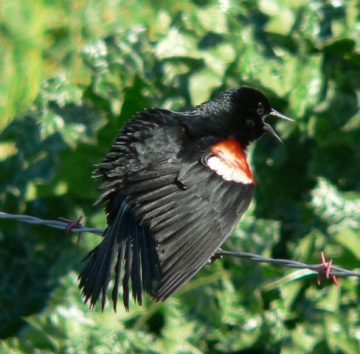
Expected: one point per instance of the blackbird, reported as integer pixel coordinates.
(175, 184)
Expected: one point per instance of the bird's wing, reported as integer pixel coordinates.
(189, 219)
(186, 208)
(140, 153)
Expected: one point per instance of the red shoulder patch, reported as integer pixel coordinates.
(227, 158)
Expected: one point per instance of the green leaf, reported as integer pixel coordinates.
(349, 239)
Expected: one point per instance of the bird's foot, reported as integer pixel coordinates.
(214, 257)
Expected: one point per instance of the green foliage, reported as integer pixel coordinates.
(72, 74)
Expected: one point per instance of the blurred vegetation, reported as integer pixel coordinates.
(73, 72)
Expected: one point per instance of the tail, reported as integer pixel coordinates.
(131, 248)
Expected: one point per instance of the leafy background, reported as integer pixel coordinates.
(73, 72)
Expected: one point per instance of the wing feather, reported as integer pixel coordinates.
(167, 215)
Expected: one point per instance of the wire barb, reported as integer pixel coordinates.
(56, 224)
(324, 270)
(73, 224)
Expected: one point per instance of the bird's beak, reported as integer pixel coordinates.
(268, 128)
(277, 114)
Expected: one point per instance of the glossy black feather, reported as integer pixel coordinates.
(168, 212)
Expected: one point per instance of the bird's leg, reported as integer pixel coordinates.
(214, 257)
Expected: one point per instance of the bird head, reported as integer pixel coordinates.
(239, 113)
(248, 111)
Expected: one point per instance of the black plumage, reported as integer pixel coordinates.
(175, 184)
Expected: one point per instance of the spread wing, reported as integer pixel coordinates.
(167, 214)
(189, 225)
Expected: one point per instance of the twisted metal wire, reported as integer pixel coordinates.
(56, 224)
(321, 269)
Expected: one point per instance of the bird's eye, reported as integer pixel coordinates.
(260, 109)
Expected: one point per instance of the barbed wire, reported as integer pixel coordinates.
(56, 224)
(324, 270)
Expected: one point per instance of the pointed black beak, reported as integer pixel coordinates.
(268, 128)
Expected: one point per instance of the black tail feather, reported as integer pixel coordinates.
(118, 264)
(135, 271)
(128, 247)
(125, 282)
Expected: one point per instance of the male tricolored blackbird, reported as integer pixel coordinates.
(175, 184)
